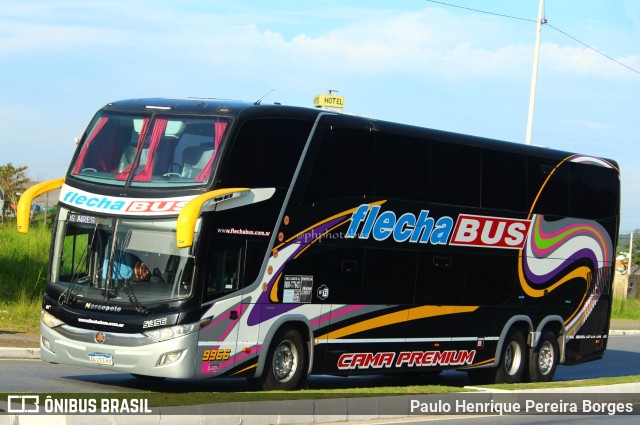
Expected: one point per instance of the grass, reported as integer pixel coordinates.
(628, 309)
(24, 261)
(563, 384)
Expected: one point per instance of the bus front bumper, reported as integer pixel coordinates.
(129, 353)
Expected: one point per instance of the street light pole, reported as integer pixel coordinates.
(534, 75)
(630, 255)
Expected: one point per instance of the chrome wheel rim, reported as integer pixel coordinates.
(512, 358)
(285, 361)
(546, 358)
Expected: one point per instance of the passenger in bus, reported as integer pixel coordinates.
(141, 272)
(121, 269)
(128, 266)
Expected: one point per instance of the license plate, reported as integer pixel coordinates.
(103, 359)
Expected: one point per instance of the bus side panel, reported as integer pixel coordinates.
(217, 340)
(590, 342)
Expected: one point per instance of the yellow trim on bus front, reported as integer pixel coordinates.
(23, 211)
(186, 224)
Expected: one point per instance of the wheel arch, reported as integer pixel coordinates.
(554, 324)
(519, 322)
(296, 322)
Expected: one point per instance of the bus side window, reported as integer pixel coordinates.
(402, 169)
(343, 166)
(222, 271)
(589, 183)
(552, 184)
(455, 173)
(504, 180)
(228, 265)
(266, 153)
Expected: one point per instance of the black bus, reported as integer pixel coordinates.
(207, 238)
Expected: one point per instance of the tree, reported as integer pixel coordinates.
(13, 181)
(623, 248)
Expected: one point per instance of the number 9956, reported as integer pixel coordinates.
(216, 355)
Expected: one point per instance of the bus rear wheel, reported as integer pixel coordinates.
(286, 362)
(544, 358)
(513, 361)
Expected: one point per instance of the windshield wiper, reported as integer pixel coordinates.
(112, 252)
(128, 290)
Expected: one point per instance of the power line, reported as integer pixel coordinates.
(483, 11)
(544, 22)
(594, 49)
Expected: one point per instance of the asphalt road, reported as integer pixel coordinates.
(622, 358)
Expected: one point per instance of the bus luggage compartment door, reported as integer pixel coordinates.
(217, 342)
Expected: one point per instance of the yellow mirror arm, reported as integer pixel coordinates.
(186, 225)
(23, 210)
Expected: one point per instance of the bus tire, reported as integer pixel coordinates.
(512, 363)
(543, 360)
(286, 364)
(513, 359)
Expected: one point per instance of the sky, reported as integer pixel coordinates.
(417, 62)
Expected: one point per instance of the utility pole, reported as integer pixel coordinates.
(534, 74)
(630, 254)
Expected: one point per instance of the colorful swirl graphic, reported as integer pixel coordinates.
(562, 250)
(555, 252)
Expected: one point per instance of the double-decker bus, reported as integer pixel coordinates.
(206, 238)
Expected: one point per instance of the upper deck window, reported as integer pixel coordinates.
(166, 151)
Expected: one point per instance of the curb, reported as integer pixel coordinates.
(10, 353)
(625, 332)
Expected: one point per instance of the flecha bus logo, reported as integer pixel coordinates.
(490, 232)
(109, 204)
(468, 230)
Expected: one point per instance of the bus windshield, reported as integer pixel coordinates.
(119, 260)
(144, 151)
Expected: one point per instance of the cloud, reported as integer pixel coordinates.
(430, 42)
(591, 125)
(21, 38)
(582, 61)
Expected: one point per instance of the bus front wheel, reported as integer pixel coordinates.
(544, 358)
(286, 362)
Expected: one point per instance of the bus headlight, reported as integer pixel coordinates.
(172, 332)
(50, 320)
(168, 358)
